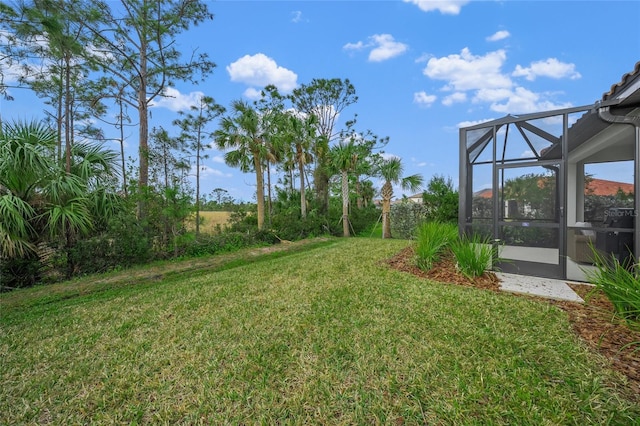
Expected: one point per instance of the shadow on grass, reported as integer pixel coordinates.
(147, 275)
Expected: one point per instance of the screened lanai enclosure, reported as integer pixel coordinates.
(549, 189)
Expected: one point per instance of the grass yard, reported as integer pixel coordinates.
(324, 334)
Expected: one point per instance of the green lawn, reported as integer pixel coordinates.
(324, 335)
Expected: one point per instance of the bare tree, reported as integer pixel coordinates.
(139, 47)
(326, 99)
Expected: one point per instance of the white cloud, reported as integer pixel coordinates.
(11, 72)
(480, 78)
(389, 156)
(259, 70)
(469, 72)
(354, 46)
(524, 101)
(26, 68)
(500, 35)
(325, 113)
(418, 163)
(355, 137)
(296, 16)
(422, 98)
(386, 48)
(422, 58)
(446, 7)
(473, 123)
(218, 159)
(383, 47)
(214, 172)
(550, 67)
(252, 93)
(173, 100)
(206, 171)
(116, 144)
(455, 98)
(492, 95)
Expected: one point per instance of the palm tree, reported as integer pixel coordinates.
(27, 156)
(391, 171)
(367, 192)
(40, 200)
(299, 133)
(344, 158)
(241, 135)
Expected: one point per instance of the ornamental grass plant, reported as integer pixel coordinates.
(473, 254)
(433, 239)
(620, 282)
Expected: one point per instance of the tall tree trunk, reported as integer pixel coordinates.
(269, 192)
(321, 182)
(345, 204)
(359, 198)
(386, 222)
(60, 117)
(291, 185)
(168, 227)
(198, 183)
(143, 129)
(387, 193)
(67, 113)
(303, 197)
(124, 170)
(165, 163)
(143, 178)
(257, 164)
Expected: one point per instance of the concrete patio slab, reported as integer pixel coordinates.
(542, 287)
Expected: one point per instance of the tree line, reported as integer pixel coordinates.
(62, 192)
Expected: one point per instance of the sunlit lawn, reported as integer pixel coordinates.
(327, 335)
(209, 221)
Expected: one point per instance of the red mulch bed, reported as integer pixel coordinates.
(594, 321)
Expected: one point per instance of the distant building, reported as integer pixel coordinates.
(416, 198)
(601, 187)
(607, 187)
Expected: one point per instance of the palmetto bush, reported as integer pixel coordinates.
(433, 239)
(45, 201)
(473, 255)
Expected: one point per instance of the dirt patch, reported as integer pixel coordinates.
(594, 321)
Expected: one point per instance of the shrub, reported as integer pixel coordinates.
(124, 244)
(130, 242)
(473, 255)
(433, 239)
(441, 200)
(244, 219)
(19, 272)
(289, 225)
(406, 216)
(620, 282)
(92, 255)
(364, 220)
(227, 241)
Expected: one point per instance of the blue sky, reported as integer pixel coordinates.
(421, 69)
